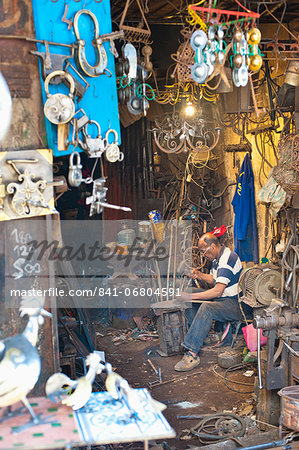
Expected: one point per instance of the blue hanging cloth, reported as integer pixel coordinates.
(245, 226)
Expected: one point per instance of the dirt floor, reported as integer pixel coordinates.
(201, 391)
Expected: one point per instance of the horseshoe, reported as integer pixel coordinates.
(101, 55)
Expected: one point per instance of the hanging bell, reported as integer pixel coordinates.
(254, 36)
(255, 63)
(237, 61)
(237, 36)
(198, 40)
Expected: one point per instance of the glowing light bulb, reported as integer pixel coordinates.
(189, 110)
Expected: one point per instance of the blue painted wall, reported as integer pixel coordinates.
(100, 99)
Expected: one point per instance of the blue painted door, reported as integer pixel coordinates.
(100, 99)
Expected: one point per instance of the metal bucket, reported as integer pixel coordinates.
(144, 230)
(290, 407)
(292, 73)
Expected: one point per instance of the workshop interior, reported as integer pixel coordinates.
(149, 170)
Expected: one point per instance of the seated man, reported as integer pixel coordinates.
(220, 302)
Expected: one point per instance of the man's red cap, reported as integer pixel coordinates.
(220, 231)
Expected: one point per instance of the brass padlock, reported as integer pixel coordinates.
(75, 170)
(59, 108)
(112, 153)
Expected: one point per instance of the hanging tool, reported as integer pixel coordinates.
(97, 200)
(130, 54)
(135, 34)
(112, 37)
(101, 55)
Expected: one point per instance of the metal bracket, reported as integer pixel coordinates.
(51, 61)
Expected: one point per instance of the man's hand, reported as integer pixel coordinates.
(195, 274)
(184, 297)
(200, 276)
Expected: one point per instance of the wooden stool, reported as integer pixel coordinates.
(70, 362)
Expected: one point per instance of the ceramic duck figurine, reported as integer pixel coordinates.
(20, 364)
(59, 385)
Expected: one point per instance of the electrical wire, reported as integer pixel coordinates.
(261, 151)
(216, 428)
(231, 369)
(200, 207)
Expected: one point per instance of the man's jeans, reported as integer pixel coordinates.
(222, 309)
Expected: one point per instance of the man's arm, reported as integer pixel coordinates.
(209, 294)
(200, 276)
(198, 297)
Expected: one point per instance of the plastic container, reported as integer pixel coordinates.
(250, 336)
(126, 236)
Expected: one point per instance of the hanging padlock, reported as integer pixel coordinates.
(75, 170)
(94, 147)
(112, 153)
(59, 108)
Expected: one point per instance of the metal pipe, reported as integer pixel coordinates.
(169, 261)
(259, 369)
(268, 445)
(107, 205)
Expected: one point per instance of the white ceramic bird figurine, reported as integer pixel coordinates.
(59, 385)
(119, 389)
(20, 364)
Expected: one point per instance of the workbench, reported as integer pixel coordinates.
(101, 421)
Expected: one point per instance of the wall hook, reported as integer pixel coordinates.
(94, 92)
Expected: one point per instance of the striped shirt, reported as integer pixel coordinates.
(227, 269)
